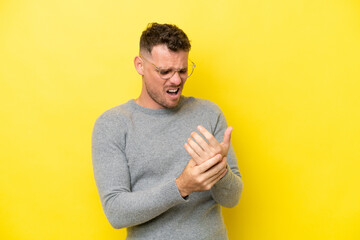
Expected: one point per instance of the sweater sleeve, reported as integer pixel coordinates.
(122, 207)
(227, 191)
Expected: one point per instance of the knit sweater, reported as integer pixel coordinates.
(137, 155)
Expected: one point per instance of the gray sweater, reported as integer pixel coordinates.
(137, 155)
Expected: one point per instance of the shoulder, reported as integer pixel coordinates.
(202, 105)
(114, 118)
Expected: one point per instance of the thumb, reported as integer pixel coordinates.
(227, 136)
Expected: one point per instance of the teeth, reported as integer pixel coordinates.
(172, 90)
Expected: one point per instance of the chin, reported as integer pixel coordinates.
(171, 105)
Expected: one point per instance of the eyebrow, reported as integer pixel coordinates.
(164, 68)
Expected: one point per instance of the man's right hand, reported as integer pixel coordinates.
(201, 150)
(197, 178)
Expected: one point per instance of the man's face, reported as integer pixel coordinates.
(157, 92)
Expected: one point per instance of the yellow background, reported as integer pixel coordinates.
(285, 73)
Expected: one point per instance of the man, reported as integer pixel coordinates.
(149, 180)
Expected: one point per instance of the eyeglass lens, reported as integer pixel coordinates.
(183, 73)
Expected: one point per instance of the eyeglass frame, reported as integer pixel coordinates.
(172, 69)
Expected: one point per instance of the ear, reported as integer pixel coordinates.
(138, 62)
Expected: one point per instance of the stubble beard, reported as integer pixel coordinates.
(158, 98)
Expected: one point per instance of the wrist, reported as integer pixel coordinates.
(181, 188)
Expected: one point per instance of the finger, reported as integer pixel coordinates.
(196, 148)
(220, 166)
(223, 173)
(208, 136)
(210, 163)
(193, 154)
(227, 136)
(200, 141)
(214, 179)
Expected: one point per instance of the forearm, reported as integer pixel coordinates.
(227, 191)
(125, 209)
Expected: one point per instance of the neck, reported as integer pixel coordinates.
(145, 100)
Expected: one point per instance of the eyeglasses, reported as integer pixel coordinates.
(167, 73)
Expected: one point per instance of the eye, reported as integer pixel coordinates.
(165, 71)
(183, 71)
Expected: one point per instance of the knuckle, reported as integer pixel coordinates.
(193, 175)
(213, 151)
(218, 149)
(199, 180)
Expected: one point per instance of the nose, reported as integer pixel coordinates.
(176, 79)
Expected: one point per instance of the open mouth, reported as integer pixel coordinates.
(173, 92)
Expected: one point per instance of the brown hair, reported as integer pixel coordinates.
(170, 35)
